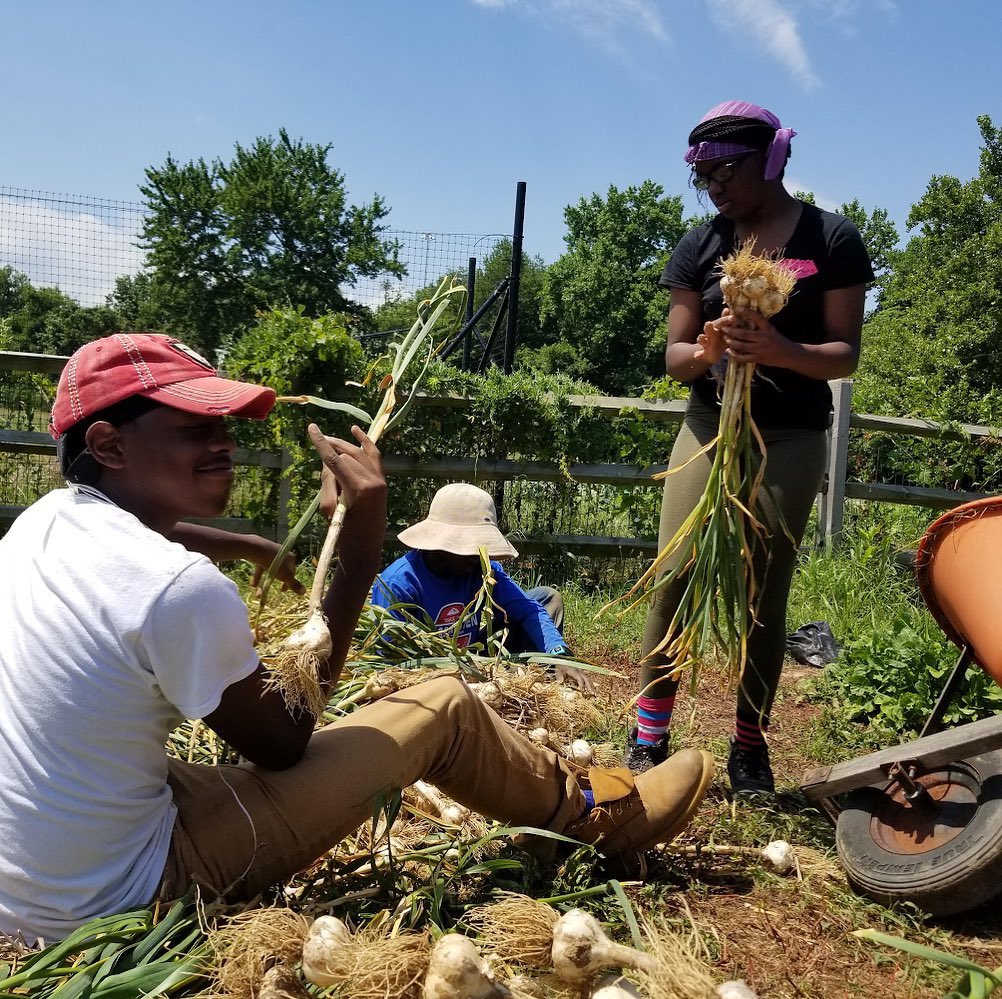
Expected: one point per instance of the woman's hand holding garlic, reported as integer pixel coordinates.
(751, 338)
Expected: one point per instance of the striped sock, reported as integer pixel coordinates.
(750, 730)
(653, 718)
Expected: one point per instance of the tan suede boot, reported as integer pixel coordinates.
(633, 812)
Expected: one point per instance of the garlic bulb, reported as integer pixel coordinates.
(312, 637)
(490, 693)
(443, 806)
(581, 948)
(326, 935)
(457, 971)
(737, 989)
(580, 752)
(616, 987)
(779, 853)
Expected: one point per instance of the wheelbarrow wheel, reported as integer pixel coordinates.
(945, 857)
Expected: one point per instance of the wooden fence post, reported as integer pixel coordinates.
(284, 498)
(831, 507)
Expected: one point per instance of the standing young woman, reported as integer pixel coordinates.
(738, 154)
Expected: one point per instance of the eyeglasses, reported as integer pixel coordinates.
(719, 174)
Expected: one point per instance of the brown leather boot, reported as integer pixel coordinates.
(634, 811)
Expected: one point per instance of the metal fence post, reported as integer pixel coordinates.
(471, 286)
(516, 273)
(831, 508)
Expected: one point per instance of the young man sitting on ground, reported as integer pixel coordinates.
(113, 634)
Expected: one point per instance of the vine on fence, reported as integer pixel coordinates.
(522, 416)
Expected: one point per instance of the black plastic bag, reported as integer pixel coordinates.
(813, 644)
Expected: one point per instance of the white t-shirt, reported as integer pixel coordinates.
(110, 635)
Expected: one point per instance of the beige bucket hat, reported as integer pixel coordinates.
(462, 519)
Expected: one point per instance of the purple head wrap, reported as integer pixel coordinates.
(740, 122)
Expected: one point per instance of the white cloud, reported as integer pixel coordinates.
(846, 14)
(600, 18)
(768, 25)
(602, 22)
(61, 244)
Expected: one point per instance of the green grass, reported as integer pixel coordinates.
(863, 583)
(587, 631)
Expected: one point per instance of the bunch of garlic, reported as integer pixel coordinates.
(755, 282)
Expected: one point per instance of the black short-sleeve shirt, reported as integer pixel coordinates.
(824, 252)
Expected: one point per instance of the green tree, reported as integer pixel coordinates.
(132, 298)
(601, 297)
(297, 355)
(879, 234)
(932, 346)
(47, 321)
(270, 228)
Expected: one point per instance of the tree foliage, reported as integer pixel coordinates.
(270, 228)
(601, 297)
(296, 355)
(46, 321)
(931, 349)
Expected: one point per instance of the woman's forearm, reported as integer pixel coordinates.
(682, 364)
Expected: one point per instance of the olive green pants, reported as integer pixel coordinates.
(240, 829)
(795, 463)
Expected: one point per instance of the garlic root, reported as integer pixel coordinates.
(281, 982)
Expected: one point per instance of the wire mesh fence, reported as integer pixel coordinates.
(428, 256)
(75, 243)
(81, 245)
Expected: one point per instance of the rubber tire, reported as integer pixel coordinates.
(950, 877)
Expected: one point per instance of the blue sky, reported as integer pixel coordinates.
(442, 106)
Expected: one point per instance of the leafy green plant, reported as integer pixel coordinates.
(890, 678)
(141, 952)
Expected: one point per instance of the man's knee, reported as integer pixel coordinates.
(446, 693)
(552, 602)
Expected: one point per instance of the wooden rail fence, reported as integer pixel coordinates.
(831, 500)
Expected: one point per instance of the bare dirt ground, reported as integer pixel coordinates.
(790, 937)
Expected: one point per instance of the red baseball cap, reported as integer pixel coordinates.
(153, 365)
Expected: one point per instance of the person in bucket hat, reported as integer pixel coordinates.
(113, 634)
(442, 576)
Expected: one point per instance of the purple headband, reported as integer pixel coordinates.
(776, 154)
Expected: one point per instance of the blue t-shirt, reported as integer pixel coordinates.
(410, 581)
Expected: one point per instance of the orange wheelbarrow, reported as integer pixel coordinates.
(922, 822)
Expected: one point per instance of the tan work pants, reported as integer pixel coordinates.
(241, 829)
